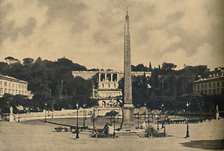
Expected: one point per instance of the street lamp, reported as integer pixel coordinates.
(77, 122)
(161, 115)
(164, 121)
(138, 116)
(84, 116)
(18, 115)
(187, 132)
(52, 112)
(157, 123)
(45, 107)
(93, 119)
(114, 127)
(148, 122)
(145, 110)
(121, 106)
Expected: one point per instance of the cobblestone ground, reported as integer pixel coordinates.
(38, 136)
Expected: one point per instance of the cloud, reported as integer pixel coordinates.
(15, 21)
(68, 11)
(91, 32)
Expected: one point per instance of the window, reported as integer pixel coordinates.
(109, 77)
(209, 92)
(202, 86)
(102, 77)
(218, 91)
(114, 77)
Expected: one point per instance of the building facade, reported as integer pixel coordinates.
(89, 74)
(13, 86)
(106, 90)
(213, 85)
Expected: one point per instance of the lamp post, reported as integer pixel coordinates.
(161, 115)
(45, 107)
(52, 112)
(121, 106)
(148, 127)
(93, 119)
(145, 110)
(164, 121)
(149, 133)
(114, 127)
(18, 115)
(145, 116)
(77, 121)
(84, 116)
(187, 132)
(138, 117)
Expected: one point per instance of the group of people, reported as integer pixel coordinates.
(108, 130)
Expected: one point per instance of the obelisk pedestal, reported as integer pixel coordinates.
(128, 117)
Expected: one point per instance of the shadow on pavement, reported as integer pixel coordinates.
(206, 144)
(33, 122)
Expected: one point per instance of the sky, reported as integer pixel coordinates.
(90, 32)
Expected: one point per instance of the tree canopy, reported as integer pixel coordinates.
(50, 80)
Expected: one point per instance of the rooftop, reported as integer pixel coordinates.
(9, 78)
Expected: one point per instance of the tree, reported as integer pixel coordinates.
(140, 90)
(153, 101)
(168, 66)
(200, 70)
(3, 68)
(5, 102)
(27, 61)
(139, 67)
(10, 59)
(9, 100)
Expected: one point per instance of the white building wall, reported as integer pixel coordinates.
(13, 86)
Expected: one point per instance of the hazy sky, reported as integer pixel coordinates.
(90, 32)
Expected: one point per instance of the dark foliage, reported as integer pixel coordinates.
(50, 80)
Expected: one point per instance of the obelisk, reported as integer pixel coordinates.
(128, 108)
